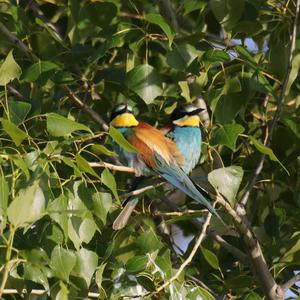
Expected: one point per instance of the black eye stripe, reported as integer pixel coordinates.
(117, 112)
(178, 114)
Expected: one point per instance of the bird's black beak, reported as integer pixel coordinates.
(196, 111)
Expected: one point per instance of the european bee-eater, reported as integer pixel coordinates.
(185, 131)
(156, 152)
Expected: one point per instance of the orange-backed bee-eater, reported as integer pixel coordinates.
(156, 152)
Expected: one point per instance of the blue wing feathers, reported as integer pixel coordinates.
(179, 179)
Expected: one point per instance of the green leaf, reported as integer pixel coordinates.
(137, 263)
(4, 192)
(9, 70)
(227, 181)
(62, 262)
(58, 125)
(181, 56)
(58, 211)
(18, 111)
(120, 140)
(227, 12)
(16, 134)
(215, 55)
(102, 203)
(86, 264)
(36, 274)
(99, 275)
(185, 91)
(28, 205)
(199, 293)
(99, 13)
(192, 5)
(247, 56)
(227, 135)
(35, 71)
(293, 123)
(293, 73)
(145, 81)
(266, 150)
(211, 258)
(84, 166)
(100, 149)
(157, 19)
(252, 296)
(108, 179)
(148, 242)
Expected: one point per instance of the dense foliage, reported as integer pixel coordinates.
(62, 61)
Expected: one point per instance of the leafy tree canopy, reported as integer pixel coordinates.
(65, 64)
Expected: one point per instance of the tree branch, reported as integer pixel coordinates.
(245, 198)
(287, 285)
(189, 258)
(18, 43)
(111, 167)
(95, 116)
(258, 263)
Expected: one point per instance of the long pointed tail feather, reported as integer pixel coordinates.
(122, 219)
(181, 180)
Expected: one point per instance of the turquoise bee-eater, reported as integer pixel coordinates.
(185, 131)
(155, 152)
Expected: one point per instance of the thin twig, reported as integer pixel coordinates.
(202, 284)
(241, 256)
(18, 43)
(39, 14)
(142, 190)
(287, 285)
(180, 213)
(95, 116)
(111, 167)
(245, 198)
(189, 258)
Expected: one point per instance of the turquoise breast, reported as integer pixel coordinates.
(188, 141)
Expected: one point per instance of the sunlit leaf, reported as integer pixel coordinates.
(9, 69)
(109, 180)
(58, 125)
(16, 134)
(102, 202)
(145, 81)
(86, 264)
(62, 262)
(28, 205)
(227, 181)
(185, 92)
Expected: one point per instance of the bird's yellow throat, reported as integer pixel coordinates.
(124, 120)
(192, 121)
